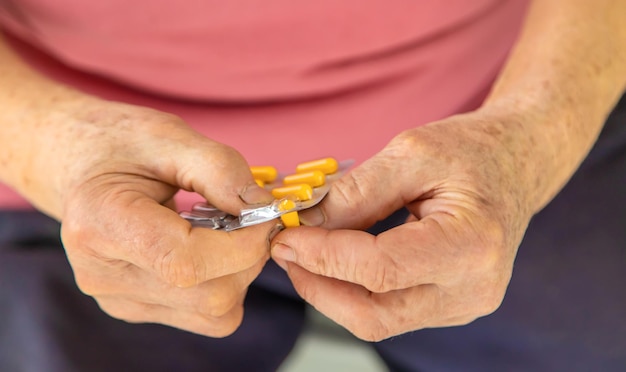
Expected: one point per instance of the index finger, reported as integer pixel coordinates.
(411, 254)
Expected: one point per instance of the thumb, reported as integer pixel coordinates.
(217, 172)
(369, 193)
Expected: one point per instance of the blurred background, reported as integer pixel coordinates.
(325, 346)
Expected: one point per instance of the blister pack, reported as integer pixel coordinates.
(293, 193)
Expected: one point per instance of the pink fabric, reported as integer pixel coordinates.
(337, 78)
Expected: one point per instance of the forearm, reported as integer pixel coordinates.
(568, 69)
(33, 112)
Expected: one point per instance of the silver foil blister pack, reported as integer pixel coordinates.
(308, 193)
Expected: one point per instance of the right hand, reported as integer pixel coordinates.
(114, 170)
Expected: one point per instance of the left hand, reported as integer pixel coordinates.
(464, 180)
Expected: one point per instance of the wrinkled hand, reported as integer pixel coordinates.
(462, 181)
(119, 167)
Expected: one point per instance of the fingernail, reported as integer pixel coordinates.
(312, 217)
(252, 194)
(283, 252)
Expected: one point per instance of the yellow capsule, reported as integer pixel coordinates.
(313, 178)
(303, 192)
(326, 166)
(286, 205)
(264, 173)
(290, 219)
(260, 183)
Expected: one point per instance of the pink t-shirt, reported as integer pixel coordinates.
(281, 81)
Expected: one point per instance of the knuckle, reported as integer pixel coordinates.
(486, 299)
(306, 292)
(125, 313)
(403, 141)
(382, 276)
(488, 252)
(369, 324)
(178, 269)
(221, 305)
(492, 302)
(74, 232)
(408, 143)
(328, 262)
(103, 278)
(87, 283)
(371, 330)
(485, 259)
(227, 325)
(228, 156)
(349, 189)
(493, 235)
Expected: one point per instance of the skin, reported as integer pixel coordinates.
(92, 164)
(471, 183)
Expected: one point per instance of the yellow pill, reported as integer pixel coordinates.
(260, 183)
(313, 178)
(326, 166)
(264, 173)
(286, 205)
(303, 192)
(290, 219)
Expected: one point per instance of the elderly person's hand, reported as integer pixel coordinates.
(121, 166)
(471, 183)
(466, 182)
(109, 171)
